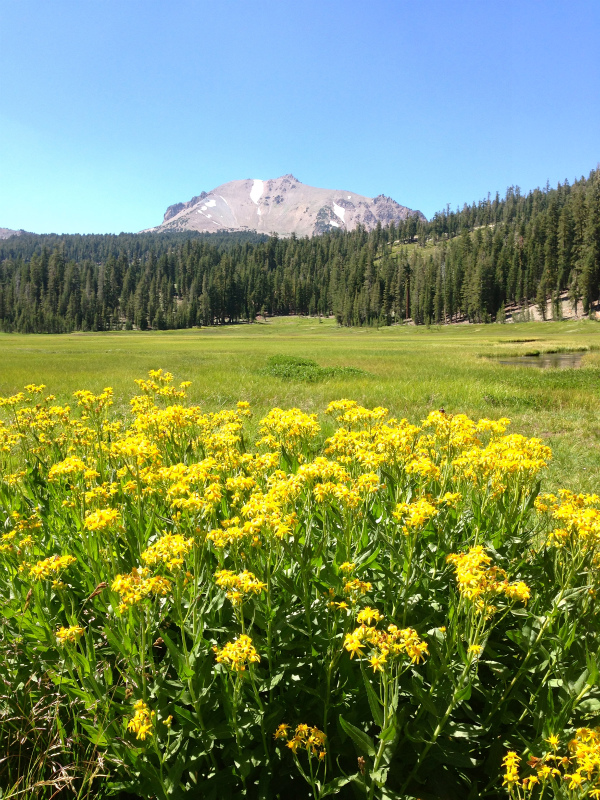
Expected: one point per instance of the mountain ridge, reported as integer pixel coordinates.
(281, 205)
(6, 233)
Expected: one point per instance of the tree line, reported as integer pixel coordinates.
(467, 264)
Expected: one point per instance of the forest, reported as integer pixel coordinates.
(464, 265)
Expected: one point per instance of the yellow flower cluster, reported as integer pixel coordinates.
(142, 722)
(578, 515)
(170, 549)
(22, 525)
(415, 515)
(137, 586)
(70, 466)
(348, 412)
(503, 459)
(584, 754)
(452, 432)
(391, 443)
(27, 524)
(50, 566)
(511, 762)
(100, 519)
(304, 737)
(355, 588)
(137, 449)
(290, 429)
(238, 654)
(70, 635)
(383, 645)
(229, 533)
(423, 466)
(94, 404)
(368, 615)
(579, 770)
(101, 493)
(7, 542)
(240, 585)
(265, 512)
(479, 581)
(159, 385)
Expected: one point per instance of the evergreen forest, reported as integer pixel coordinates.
(464, 265)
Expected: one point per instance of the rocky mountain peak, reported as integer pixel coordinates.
(281, 205)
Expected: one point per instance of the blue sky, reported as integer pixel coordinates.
(112, 110)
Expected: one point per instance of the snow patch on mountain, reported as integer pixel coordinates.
(256, 192)
(339, 212)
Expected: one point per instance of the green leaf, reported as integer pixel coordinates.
(423, 696)
(183, 671)
(374, 702)
(592, 666)
(335, 785)
(364, 742)
(388, 733)
(591, 706)
(578, 685)
(464, 693)
(380, 776)
(119, 644)
(275, 679)
(95, 734)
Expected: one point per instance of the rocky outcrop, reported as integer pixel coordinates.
(172, 211)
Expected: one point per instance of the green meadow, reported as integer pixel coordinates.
(410, 370)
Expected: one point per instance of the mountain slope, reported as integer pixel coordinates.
(6, 233)
(282, 205)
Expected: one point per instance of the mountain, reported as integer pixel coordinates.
(6, 233)
(282, 205)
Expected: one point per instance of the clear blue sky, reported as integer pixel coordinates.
(112, 110)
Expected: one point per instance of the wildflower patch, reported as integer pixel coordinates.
(395, 610)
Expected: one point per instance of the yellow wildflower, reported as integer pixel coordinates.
(238, 654)
(100, 519)
(169, 549)
(142, 722)
(356, 587)
(245, 583)
(305, 738)
(415, 515)
(47, 566)
(368, 615)
(70, 635)
(138, 585)
(479, 580)
(511, 763)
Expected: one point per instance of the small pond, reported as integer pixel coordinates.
(545, 361)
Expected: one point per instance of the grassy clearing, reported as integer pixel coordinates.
(409, 370)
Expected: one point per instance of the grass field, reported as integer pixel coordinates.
(410, 371)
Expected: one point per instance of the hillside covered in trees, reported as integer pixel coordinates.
(463, 264)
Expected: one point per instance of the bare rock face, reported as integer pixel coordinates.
(6, 233)
(283, 206)
(172, 211)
